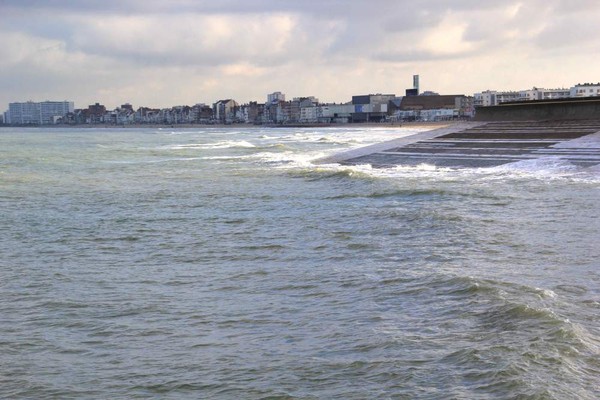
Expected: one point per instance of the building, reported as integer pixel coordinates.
(433, 108)
(276, 109)
(334, 113)
(283, 112)
(251, 113)
(416, 84)
(549, 94)
(449, 102)
(493, 98)
(38, 113)
(123, 115)
(483, 99)
(224, 111)
(145, 115)
(95, 114)
(371, 107)
(310, 114)
(127, 106)
(201, 113)
(275, 97)
(299, 103)
(543, 94)
(585, 90)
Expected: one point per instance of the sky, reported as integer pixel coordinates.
(183, 52)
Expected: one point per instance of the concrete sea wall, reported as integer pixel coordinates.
(566, 131)
(547, 110)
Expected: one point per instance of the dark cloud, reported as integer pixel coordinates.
(324, 8)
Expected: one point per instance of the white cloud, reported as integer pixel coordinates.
(160, 53)
(448, 37)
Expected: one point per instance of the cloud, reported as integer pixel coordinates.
(155, 51)
(186, 40)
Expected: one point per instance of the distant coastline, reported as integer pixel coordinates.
(417, 124)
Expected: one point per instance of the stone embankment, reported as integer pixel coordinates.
(485, 144)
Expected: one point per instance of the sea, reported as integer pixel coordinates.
(226, 263)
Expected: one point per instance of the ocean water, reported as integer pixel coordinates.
(225, 264)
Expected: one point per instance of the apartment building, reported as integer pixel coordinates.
(38, 113)
(544, 94)
(493, 98)
(585, 90)
(224, 111)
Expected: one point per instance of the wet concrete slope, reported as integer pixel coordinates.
(486, 144)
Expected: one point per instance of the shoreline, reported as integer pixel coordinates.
(432, 125)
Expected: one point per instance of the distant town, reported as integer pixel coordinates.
(414, 106)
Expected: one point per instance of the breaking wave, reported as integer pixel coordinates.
(228, 144)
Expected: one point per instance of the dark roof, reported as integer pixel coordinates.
(429, 102)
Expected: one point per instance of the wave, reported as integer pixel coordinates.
(158, 161)
(312, 174)
(528, 311)
(544, 165)
(298, 149)
(500, 305)
(421, 171)
(543, 171)
(281, 156)
(505, 337)
(268, 137)
(227, 144)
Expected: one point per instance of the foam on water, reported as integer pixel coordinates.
(530, 169)
(217, 145)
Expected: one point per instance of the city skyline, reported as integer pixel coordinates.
(160, 54)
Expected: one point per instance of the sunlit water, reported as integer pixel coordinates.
(223, 264)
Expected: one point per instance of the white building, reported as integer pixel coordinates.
(544, 94)
(505, 97)
(34, 113)
(309, 114)
(326, 113)
(337, 113)
(585, 90)
(493, 97)
(556, 94)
